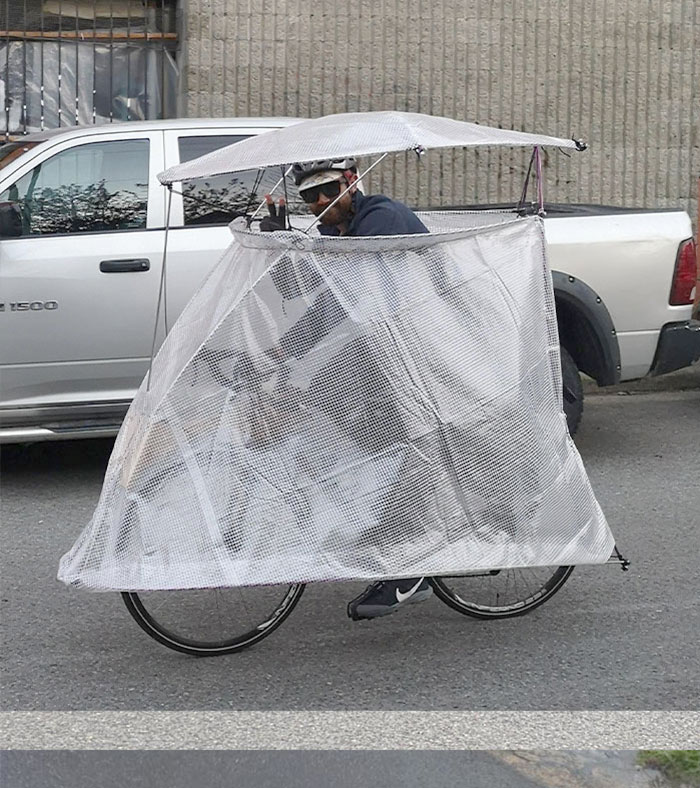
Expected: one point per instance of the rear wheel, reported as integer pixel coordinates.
(501, 593)
(212, 621)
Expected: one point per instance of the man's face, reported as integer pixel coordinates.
(340, 213)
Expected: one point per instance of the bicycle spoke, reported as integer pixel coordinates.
(503, 593)
(208, 621)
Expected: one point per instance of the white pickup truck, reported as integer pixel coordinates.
(82, 231)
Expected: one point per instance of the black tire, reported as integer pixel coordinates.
(206, 622)
(487, 595)
(572, 389)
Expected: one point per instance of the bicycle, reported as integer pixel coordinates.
(186, 621)
(217, 621)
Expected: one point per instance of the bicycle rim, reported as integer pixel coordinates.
(213, 621)
(501, 593)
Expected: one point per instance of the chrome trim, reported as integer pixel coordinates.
(52, 415)
(62, 422)
(35, 434)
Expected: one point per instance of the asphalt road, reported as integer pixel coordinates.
(263, 770)
(609, 640)
(303, 769)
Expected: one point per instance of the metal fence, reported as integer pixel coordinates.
(67, 62)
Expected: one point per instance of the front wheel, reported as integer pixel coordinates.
(500, 593)
(212, 621)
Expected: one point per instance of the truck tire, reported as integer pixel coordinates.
(573, 391)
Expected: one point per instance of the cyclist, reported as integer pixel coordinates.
(320, 184)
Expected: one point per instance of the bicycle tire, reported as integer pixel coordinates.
(485, 585)
(181, 638)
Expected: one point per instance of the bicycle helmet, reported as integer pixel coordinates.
(302, 170)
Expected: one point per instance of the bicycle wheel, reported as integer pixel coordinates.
(500, 593)
(213, 621)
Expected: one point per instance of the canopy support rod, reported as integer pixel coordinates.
(359, 178)
(523, 196)
(538, 176)
(274, 189)
(536, 160)
(162, 296)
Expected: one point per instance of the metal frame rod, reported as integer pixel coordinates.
(128, 62)
(538, 176)
(24, 75)
(77, 65)
(526, 184)
(42, 90)
(146, 53)
(94, 66)
(274, 189)
(59, 47)
(111, 60)
(7, 75)
(162, 294)
(162, 111)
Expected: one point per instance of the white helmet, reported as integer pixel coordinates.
(300, 171)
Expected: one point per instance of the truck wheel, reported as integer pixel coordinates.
(573, 391)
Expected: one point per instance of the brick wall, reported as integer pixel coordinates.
(622, 74)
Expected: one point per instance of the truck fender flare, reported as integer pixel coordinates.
(586, 329)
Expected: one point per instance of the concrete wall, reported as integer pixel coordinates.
(622, 74)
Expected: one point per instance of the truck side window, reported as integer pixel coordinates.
(93, 187)
(221, 199)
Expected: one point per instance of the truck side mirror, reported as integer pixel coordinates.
(10, 220)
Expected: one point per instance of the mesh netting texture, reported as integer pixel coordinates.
(350, 408)
(351, 134)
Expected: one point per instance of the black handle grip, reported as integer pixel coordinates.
(121, 266)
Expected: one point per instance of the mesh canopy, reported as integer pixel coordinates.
(350, 408)
(351, 134)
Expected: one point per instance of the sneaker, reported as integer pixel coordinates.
(387, 596)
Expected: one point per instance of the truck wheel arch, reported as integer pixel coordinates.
(586, 329)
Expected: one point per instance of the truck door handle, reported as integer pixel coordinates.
(120, 266)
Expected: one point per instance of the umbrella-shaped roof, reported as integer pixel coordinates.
(352, 134)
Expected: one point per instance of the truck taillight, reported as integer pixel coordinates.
(684, 276)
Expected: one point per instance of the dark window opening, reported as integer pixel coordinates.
(70, 62)
(222, 198)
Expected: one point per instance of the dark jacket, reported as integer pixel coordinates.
(372, 215)
(378, 215)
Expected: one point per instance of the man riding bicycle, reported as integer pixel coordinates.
(330, 189)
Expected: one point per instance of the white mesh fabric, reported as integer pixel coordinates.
(351, 134)
(350, 408)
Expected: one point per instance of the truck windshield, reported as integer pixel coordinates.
(11, 150)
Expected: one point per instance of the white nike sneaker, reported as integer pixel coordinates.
(387, 596)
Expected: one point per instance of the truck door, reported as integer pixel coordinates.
(79, 287)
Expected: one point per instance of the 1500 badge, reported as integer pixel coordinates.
(28, 306)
